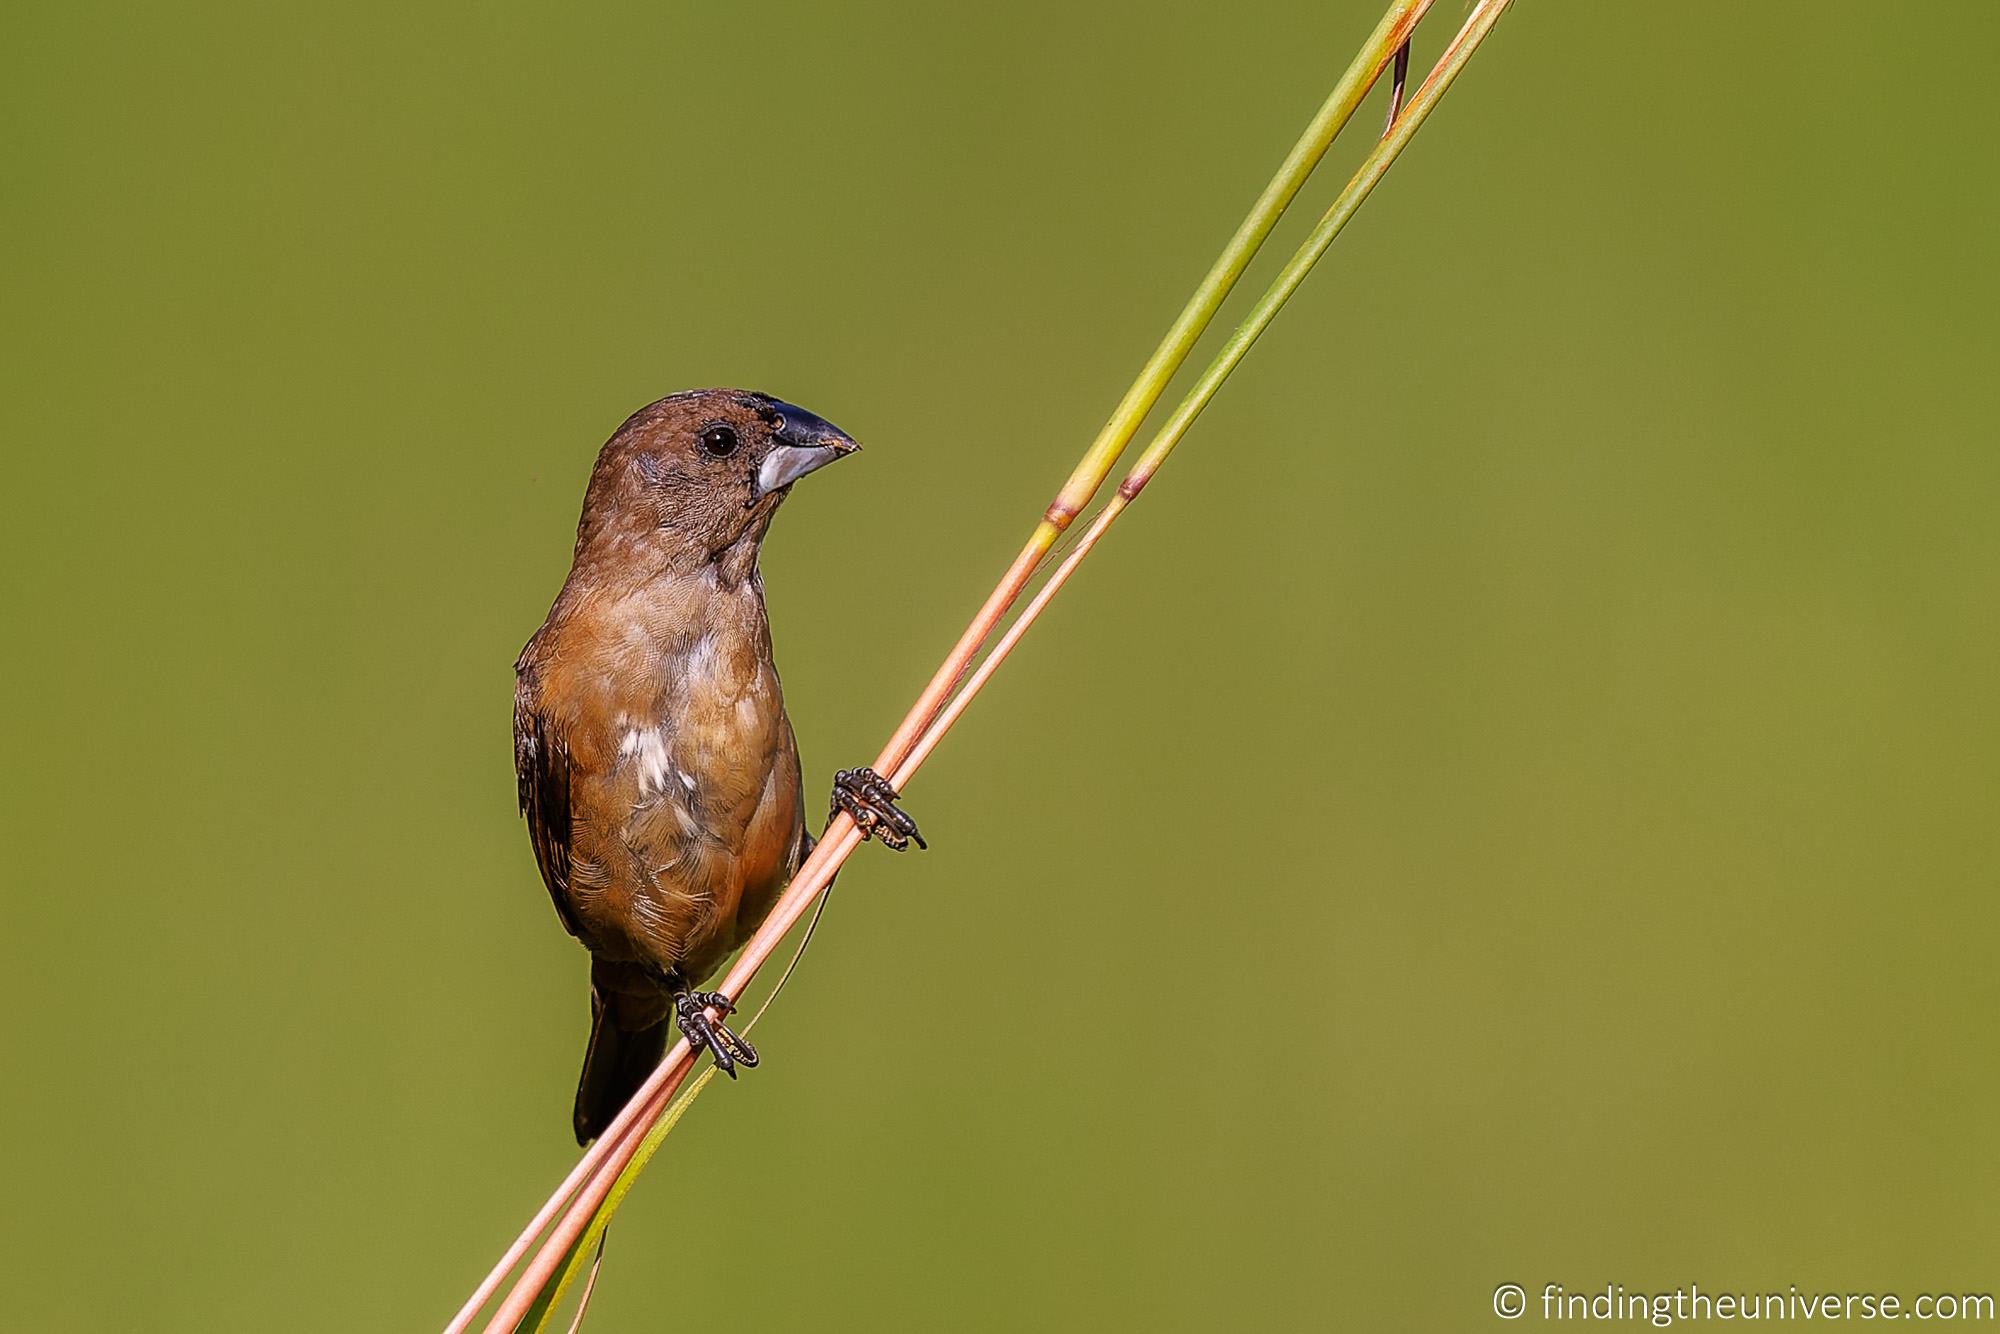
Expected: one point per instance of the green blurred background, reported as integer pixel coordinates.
(1516, 803)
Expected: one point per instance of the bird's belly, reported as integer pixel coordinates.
(693, 833)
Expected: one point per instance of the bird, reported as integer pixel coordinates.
(656, 767)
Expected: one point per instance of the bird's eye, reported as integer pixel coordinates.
(718, 441)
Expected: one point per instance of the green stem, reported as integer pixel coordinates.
(1096, 464)
(1365, 178)
(1367, 66)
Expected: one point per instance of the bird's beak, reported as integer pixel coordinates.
(805, 443)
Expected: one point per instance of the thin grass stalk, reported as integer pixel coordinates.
(1477, 25)
(983, 673)
(1399, 133)
(592, 1180)
(615, 1150)
(1390, 35)
(589, 1286)
(562, 1195)
(549, 1298)
(668, 1077)
(600, 1222)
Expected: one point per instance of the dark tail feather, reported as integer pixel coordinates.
(615, 1064)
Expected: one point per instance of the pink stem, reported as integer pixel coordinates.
(640, 1108)
(922, 728)
(798, 896)
(609, 1156)
(592, 1157)
(977, 681)
(602, 1162)
(948, 673)
(612, 1151)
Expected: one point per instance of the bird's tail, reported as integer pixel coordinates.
(615, 1064)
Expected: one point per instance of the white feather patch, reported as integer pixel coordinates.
(647, 748)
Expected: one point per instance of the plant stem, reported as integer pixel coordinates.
(1394, 30)
(1365, 178)
(1477, 24)
(600, 1179)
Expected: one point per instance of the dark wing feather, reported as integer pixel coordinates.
(541, 770)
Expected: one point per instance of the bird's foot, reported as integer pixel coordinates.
(729, 1049)
(867, 796)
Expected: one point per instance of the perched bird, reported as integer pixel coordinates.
(657, 769)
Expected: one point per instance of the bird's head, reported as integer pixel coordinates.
(698, 475)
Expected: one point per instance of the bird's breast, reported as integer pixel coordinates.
(724, 715)
(685, 791)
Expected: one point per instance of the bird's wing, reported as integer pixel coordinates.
(541, 771)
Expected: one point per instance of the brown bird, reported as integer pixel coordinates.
(657, 768)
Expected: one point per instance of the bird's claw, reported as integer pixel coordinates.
(729, 1049)
(867, 797)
